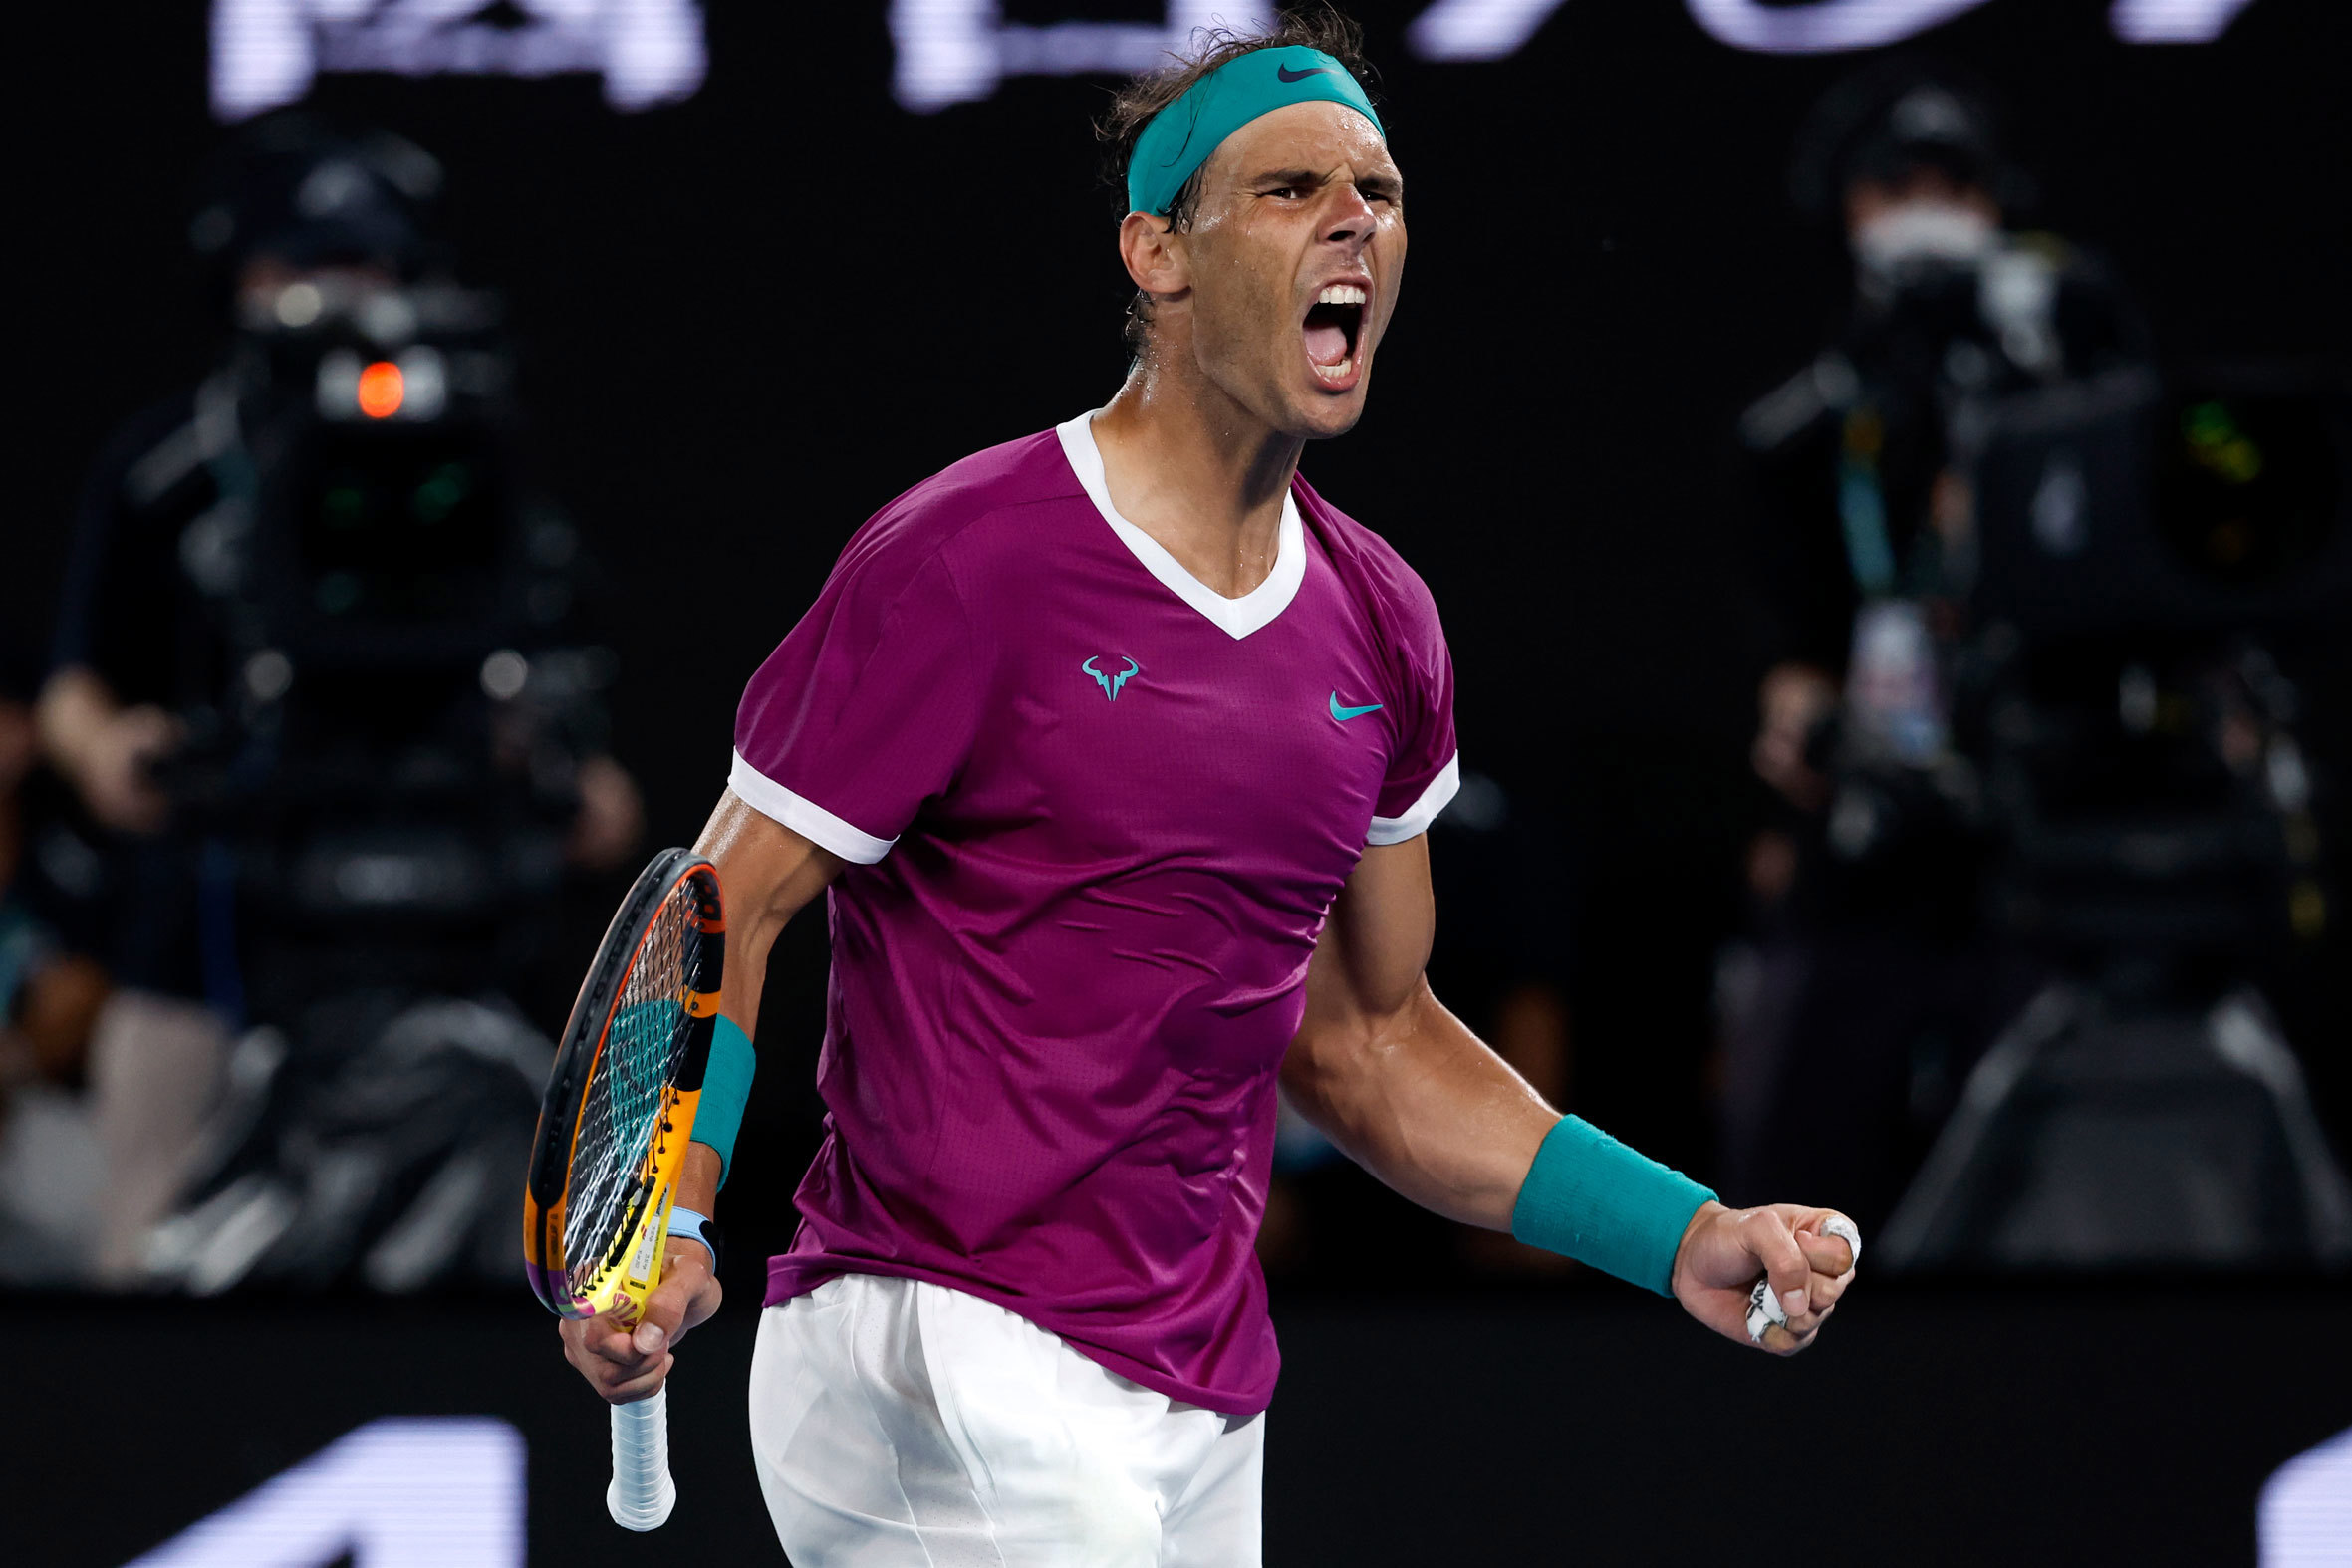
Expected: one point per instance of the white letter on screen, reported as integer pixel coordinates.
(654, 51)
(407, 1491)
(1477, 29)
(958, 51)
(2304, 1517)
(1826, 27)
(268, 52)
(947, 52)
(262, 55)
(2174, 21)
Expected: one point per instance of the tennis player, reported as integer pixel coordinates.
(1116, 746)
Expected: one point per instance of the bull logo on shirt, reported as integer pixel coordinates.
(1109, 683)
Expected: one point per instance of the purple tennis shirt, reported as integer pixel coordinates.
(1094, 815)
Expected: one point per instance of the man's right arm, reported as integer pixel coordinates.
(768, 874)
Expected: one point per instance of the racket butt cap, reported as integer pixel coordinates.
(642, 1493)
(651, 1517)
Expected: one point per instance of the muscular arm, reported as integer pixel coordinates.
(1388, 1074)
(769, 874)
(1408, 1093)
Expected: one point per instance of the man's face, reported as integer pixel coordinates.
(1294, 258)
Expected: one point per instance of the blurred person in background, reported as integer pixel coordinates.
(1873, 985)
(301, 228)
(51, 993)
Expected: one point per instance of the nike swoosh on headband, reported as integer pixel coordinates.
(1180, 138)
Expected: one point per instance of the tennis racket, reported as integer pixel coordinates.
(613, 1134)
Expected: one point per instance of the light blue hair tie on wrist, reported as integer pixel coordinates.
(1182, 137)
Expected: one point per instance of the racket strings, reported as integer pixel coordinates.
(626, 1092)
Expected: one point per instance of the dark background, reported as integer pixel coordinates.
(2028, 1425)
(749, 320)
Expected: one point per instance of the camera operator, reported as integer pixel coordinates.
(1875, 985)
(51, 991)
(299, 223)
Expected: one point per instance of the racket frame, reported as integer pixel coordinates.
(628, 1272)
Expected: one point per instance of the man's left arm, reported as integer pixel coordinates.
(1412, 1095)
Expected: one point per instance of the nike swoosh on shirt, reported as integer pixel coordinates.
(1343, 714)
(1288, 74)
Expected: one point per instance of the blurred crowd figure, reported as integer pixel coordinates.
(1875, 987)
(2024, 847)
(51, 993)
(154, 1064)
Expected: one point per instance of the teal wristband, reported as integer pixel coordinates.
(726, 1084)
(1592, 1199)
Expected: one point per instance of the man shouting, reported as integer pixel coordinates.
(1116, 746)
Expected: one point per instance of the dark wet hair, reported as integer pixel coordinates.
(1133, 106)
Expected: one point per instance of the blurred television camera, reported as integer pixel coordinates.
(319, 670)
(394, 744)
(2139, 554)
(2090, 699)
(2052, 810)
(2152, 823)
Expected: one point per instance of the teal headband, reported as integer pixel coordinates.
(1182, 137)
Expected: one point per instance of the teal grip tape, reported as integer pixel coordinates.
(726, 1085)
(1590, 1197)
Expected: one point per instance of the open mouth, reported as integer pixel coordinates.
(1334, 325)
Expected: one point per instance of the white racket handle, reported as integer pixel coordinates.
(642, 1493)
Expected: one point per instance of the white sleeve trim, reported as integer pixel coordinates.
(1417, 817)
(805, 817)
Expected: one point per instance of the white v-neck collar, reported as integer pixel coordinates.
(1237, 617)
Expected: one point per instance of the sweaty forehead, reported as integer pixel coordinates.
(1317, 136)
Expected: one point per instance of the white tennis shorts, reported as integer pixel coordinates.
(901, 1424)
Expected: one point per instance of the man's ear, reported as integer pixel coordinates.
(1156, 255)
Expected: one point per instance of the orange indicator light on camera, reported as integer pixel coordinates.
(381, 390)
